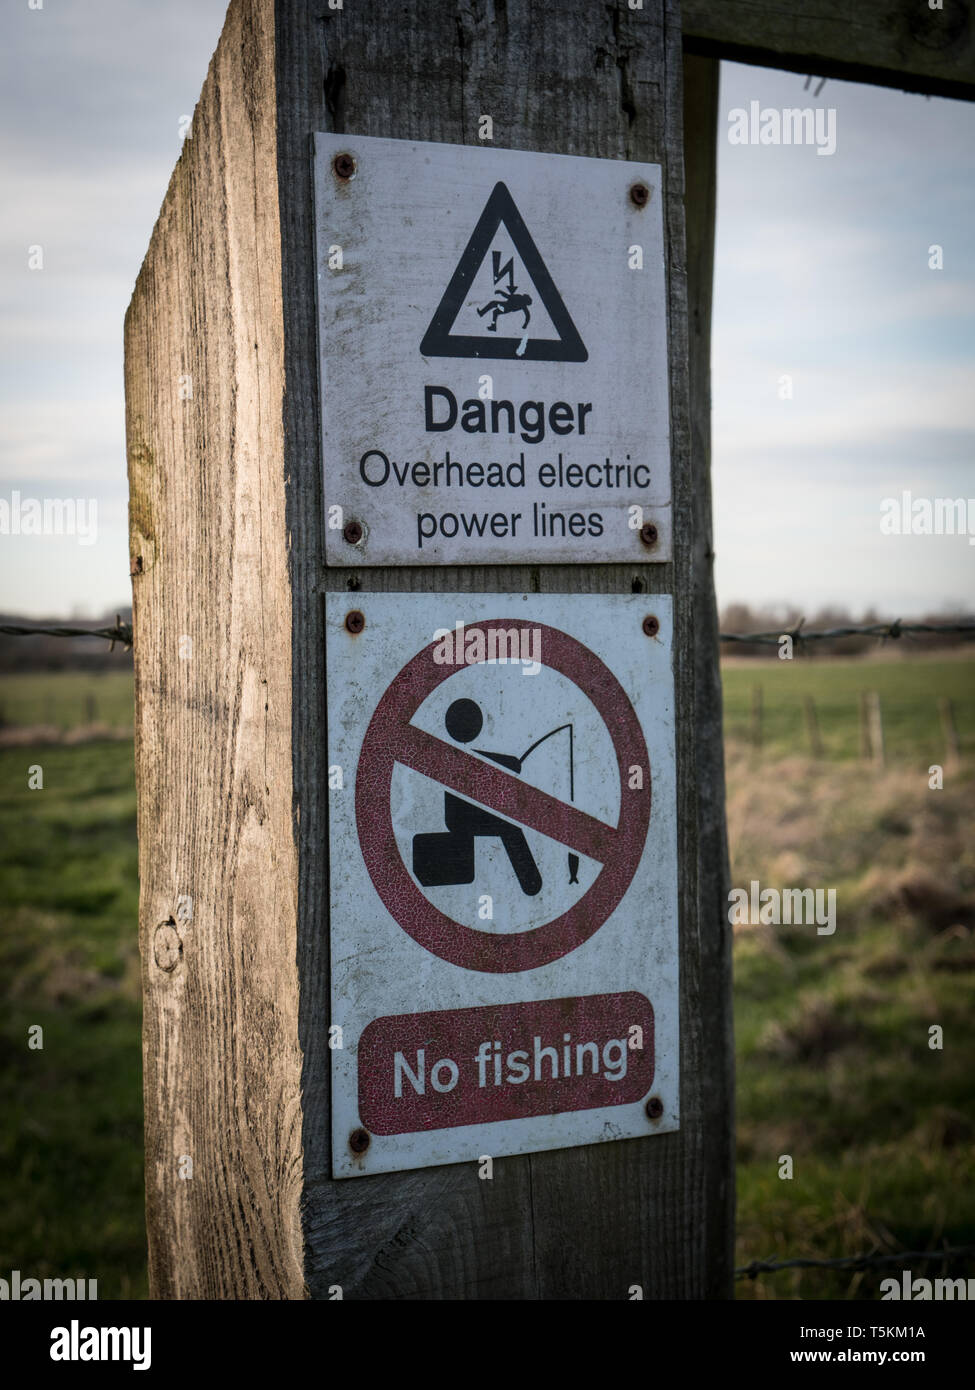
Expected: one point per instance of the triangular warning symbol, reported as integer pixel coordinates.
(510, 298)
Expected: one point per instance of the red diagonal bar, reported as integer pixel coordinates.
(507, 795)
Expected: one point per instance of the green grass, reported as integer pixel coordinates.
(64, 698)
(833, 1063)
(908, 690)
(71, 1141)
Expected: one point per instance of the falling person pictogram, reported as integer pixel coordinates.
(508, 301)
(506, 304)
(448, 858)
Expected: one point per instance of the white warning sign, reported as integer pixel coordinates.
(493, 344)
(503, 874)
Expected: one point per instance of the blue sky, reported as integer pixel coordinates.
(822, 273)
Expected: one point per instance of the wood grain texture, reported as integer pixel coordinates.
(231, 754)
(213, 728)
(573, 78)
(893, 43)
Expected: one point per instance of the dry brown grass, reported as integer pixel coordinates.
(891, 846)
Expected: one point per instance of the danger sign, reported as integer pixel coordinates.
(503, 874)
(493, 342)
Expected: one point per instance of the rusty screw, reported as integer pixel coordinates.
(654, 1108)
(359, 1140)
(648, 533)
(344, 165)
(639, 195)
(355, 621)
(352, 532)
(651, 625)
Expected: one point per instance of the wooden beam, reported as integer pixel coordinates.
(891, 43)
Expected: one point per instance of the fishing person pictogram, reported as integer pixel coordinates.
(445, 858)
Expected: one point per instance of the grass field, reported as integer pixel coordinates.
(71, 1138)
(834, 1066)
(67, 699)
(909, 689)
(833, 1062)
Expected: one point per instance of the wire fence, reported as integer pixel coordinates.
(883, 631)
(798, 633)
(121, 632)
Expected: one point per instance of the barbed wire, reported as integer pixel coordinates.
(854, 1262)
(892, 630)
(121, 632)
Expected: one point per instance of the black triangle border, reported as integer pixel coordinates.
(438, 341)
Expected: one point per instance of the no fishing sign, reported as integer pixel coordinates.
(503, 861)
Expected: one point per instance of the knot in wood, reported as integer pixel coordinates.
(167, 946)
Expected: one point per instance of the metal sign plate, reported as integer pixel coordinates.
(503, 862)
(493, 344)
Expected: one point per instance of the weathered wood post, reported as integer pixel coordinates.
(866, 747)
(812, 726)
(237, 801)
(949, 730)
(875, 719)
(758, 709)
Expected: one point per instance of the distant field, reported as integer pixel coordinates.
(64, 699)
(908, 690)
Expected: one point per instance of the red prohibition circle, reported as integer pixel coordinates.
(390, 738)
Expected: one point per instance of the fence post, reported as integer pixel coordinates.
(949, 730)
(865, 744)
(876, 729)
(758, 709)
(812, 726)
(227, 555)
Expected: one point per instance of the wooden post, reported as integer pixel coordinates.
(812, 726)
(949, 730)
(876, 725)
(227, 546)
(865, 743)
(757, 716)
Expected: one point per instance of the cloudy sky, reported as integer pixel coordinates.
(822, 276)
